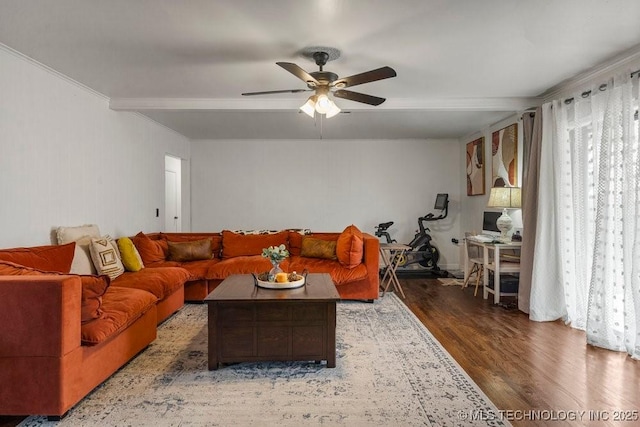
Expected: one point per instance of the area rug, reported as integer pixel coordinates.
(390, 372)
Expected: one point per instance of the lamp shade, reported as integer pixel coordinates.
(321, 103)
(309, 107)
(505, 197)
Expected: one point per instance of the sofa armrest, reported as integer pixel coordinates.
(372, 257)
(39, 315)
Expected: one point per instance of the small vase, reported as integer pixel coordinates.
(275, 270)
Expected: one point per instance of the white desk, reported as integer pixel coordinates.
(494, 264)
(391, 254)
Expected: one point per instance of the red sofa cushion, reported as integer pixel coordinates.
(93, 287)
(234, 244)
(198, 270)
(160, 281)
(339, 274)
(243, 265)
(350, 247)
(150, 250)
(47, 258)
(122, 307)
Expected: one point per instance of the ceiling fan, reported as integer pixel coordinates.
(326, 82)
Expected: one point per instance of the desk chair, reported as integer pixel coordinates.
(475, 257)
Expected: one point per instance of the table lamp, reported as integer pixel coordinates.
(506, 198)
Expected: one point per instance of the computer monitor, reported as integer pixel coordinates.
(441, 201)
(489, 225)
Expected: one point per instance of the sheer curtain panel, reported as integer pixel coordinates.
(587, 254)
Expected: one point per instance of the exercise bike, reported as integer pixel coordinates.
(421, 251)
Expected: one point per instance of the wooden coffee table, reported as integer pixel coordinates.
(248, 323)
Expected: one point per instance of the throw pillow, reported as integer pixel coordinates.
(350, 247)
(130, 257)
(71, 234)
(49, 258)
(82, 234)
(93, 287)
(253, 232)
(216, 239)
(105, 257)
(190, 251)
(318, 248)
(150, 250)
(82, 262)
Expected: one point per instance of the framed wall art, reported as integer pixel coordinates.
(475, 167)
(504, 153)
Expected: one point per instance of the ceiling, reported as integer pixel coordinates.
(461, 65)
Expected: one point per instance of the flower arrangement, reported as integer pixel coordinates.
(275, 254)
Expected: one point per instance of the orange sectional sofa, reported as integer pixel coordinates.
(64, 334)
(353, 267)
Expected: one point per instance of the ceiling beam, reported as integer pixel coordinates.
(253, 104)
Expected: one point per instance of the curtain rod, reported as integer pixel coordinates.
(602, 88)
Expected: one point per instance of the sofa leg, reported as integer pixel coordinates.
(56, 417)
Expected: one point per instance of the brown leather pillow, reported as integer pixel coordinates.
(190, 251)
(318, 248)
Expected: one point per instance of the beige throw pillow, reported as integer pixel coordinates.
(73, 234)
(82, 262)
(106, 257)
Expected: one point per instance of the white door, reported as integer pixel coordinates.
(172, 202)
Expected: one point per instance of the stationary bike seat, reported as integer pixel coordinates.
(385, 225)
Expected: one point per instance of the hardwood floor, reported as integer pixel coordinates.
(523, 365)
(519, 364)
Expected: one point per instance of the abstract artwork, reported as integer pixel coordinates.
(504, 151)
(475, 167)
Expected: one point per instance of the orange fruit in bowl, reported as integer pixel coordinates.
(282, 278)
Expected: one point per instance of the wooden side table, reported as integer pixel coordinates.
(391, 254)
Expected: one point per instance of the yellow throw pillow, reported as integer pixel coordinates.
(318, 248)
(130, 256)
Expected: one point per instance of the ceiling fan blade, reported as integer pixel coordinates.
(366, 77)
(359, 97)
(299, 72)
(269, 92)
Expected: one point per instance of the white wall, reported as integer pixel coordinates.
(66, 159)
(472, 207)
(326, 185)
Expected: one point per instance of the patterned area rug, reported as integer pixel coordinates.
(390, 371)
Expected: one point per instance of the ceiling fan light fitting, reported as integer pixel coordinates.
(333, 111)
(309, 107)
(323, 104)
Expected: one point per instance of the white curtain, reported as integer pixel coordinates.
(587, 256)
